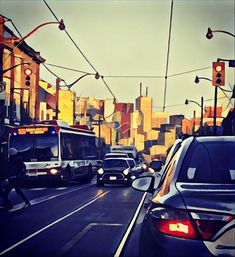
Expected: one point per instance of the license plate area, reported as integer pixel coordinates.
(113, 178)
(32, 172)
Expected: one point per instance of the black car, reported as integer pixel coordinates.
(192, 210)
(118, 171)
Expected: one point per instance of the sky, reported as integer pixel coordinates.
(127, 43)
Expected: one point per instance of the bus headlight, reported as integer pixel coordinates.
(100, 171)
(53, 171)
(126, 171)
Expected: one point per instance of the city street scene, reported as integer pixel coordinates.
(117, 128)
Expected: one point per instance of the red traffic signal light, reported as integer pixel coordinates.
(218, 74)
(27, 72)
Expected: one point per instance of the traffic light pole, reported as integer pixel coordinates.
(215, 111)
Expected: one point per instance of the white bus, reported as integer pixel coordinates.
(53, 150)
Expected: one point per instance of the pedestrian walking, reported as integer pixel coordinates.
(15, 169)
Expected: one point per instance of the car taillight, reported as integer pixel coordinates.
(209, 224)
(53, 171)
(178, 228)
(179, 223)
(173, 222)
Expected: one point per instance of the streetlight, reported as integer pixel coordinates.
(210, 32)
(201, 106)
(20, 40)
(58, 80)
(97, 76)
(197, 80)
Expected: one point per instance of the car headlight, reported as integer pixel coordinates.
(100, 171)
(144, 166)
(151, 170)
(126, 171)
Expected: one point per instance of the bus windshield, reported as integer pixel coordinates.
(42, 147)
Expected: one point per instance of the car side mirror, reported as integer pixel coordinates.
(144, 184)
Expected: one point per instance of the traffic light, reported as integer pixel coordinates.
(218, 74)
(27, 73)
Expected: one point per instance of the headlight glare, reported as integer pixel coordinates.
(126, 171)
(100, 171)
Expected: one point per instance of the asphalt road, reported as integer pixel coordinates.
(78, 220)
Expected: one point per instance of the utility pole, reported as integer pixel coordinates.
(215, 111)
(57, 98)
(2, 101)
(99, 143)
(194, 117)
(201, 121)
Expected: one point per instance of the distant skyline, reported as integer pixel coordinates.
(126, 42)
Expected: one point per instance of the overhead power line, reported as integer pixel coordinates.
(130, 76)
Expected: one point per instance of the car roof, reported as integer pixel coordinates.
(215, 138)
(119, 158)
(116, 153)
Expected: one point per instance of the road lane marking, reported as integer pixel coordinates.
(125, 236)
(45, 198)
(70, 244)
(53, 223)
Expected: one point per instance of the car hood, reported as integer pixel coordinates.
(216, 197)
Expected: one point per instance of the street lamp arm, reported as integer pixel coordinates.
(210, 32)
(197, 79)
(61, 27)
(6, 70)
(97, 76)
(223, 31)
(192, 101)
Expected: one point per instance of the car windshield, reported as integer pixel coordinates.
(209, 162)
(110, 163)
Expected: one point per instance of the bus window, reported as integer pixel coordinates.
(46, 147)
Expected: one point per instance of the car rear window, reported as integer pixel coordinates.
(210, 162)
